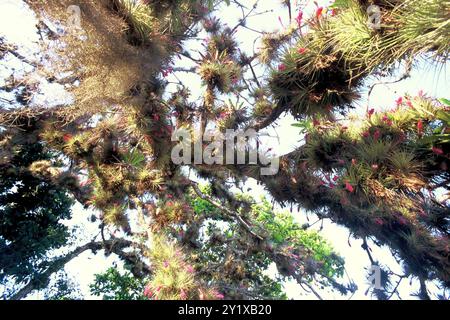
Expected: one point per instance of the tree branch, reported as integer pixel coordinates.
(114, 245)
(219, 206)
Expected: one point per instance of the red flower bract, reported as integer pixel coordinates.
(67, 137)
(319, 12)
(420, 126)
(349, 187)
(402, 220)
(377, 135)
(437, 151)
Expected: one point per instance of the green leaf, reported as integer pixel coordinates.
(437, 138)
(444, 116)
(444, 101)
(340, 4)
(134, 158)
(306, 125)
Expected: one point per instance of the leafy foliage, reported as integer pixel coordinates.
(114, 285)
(32, 210)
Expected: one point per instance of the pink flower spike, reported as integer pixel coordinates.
(148, 292)
(335, 178)
(349, 187)
(219, 296)
(399, 101)
(409, 104)
(437, 151)
(370, 112)
(301, 50)
(190, 269)
(166, 264)
(281, 67)
(281, 22)
(223, 115)
(366, 134)
(299, 18)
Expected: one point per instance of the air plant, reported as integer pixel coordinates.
(173, 277)
(140, 17)
(219, 71)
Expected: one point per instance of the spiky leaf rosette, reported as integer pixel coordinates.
(324, 70)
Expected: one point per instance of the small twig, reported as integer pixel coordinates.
(310, 288)
(242, 21)
(219, 206)
(396, 287)
(367, 249)
(402, 77)
(254, 75)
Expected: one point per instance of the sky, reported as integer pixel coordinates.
(17, 25)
